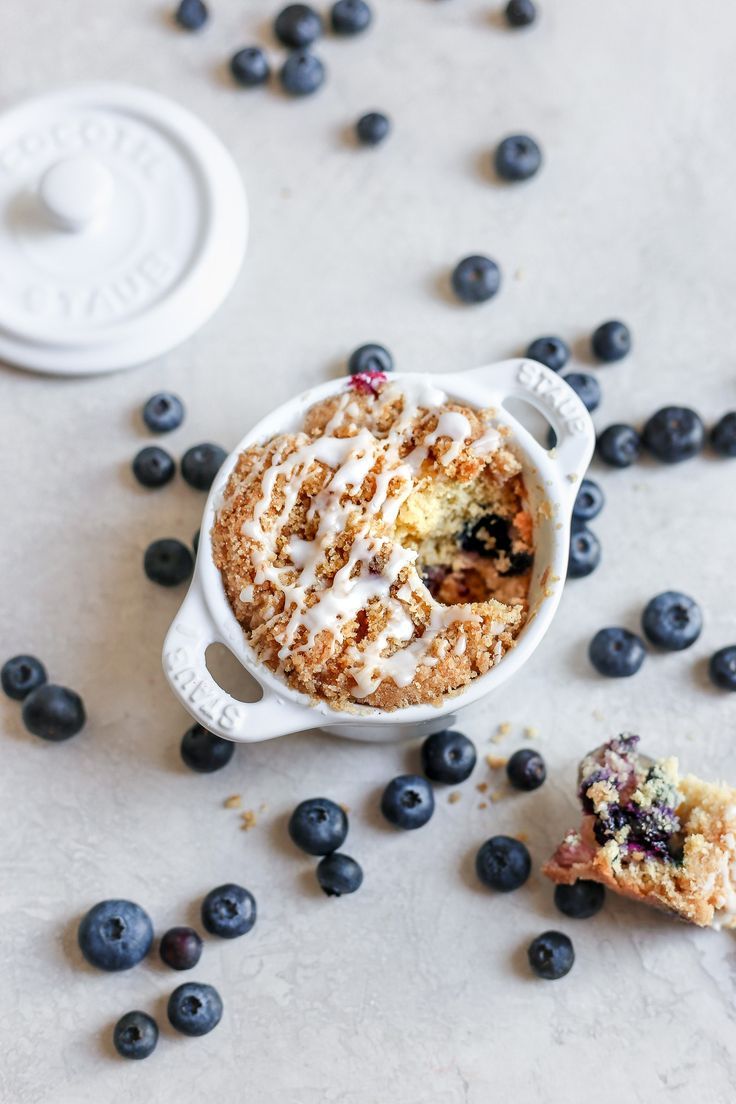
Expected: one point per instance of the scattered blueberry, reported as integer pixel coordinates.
(586, 387)
(153, 467)
(22, 674)
(163, 412)
(674, 433)
(520, 13)
(180, 948)
(318, 825)
(585, 552)
(191, 14)
(503, 863)
(408, 801)
(168, 562)
(672, 621)
(203, 751)
(194, 1008)
(195, 542)
(551, 351)
(722, 668)
(723, 435)
(589, 502)
(297, 26)
(201, 463)
(611, 341)
(476, 279)
(448, 756)
(370, 358)
(619, 445)
(526, 769)
(580, 900)
(517, 157)
(115, 935)
(551, 955)
(372, 128)
(302, 73)
(616, 653)
(249, 67)
(135, 1035)
(229, 911)
(338, 874)
(350, 17)
(53, 712)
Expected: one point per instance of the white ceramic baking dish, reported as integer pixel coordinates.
(552, 480)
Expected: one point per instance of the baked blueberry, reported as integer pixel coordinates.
(586, 387)
(722, 668)
(203, 751)
(503, 863)
(350, 17)
(551, 955)
(53, 712)
(520, 13)
(580, 900)
(249, 67)
(318, 826)
(585, 552)
(135, 1035)
(476, 279)
(163, 412)
(180, 948)
(229, 911)
(168, 562)
(153, 467)
(372, 128)
(616, 653)
(489, 536)
(672, 620)
(201, 463)
(408, 801)
(302, 73)
(611, 341)
(674, 433)
(22, 674)
(297, 26)
(448, 756)
(338, 874)
(723, 435)
(194, 1008)
(115, 935)
(191, 14)
(619, 445)
(517, 157)
(589, 502)
(526, 769)
(370, 358)
(551, 351)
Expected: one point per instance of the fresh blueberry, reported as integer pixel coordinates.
(201, 463)
(249, 67)
(503, 863)
(674, 433)
(338, 874)
(672, 621)
(153, 467)
(302, 73)
(722, 668)
(589, 502)
(370, 358)
(476, 279)
(195, 542)
(135, 1035)
(408, 801)
(203, 751)
(619, 445)
(616, 653)
(611, 341)
(22, 674)
(448, 757)
(580, 900)
(194, 1008)
(517, 157)
(180, 948)
(191, 14)
(163, 412)
(297, 26)
(551, 351)
(168, 562)
(526, 769)
(318, 826)
(53, 712)
(229, 911)
(372, 128)
(551, 955)
(723, 435)
(586, 387)
(350, 17)
(520, 13)
(585, 552)
(115, 935)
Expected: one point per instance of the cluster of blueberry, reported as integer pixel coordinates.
(54, 713)
(671, 435)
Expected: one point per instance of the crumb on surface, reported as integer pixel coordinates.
(496, 795)
(481, 787)
(345, 809)
(454, 797)
(522, 837)
(531, 732)
(248, 819)
(232, 802)
(496, 762)
(483, 805)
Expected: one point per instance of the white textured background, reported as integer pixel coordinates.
(416, 989)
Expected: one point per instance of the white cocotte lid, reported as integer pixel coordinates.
(124, 224)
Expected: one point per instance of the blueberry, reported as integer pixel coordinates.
(168, 562)
(229, 911)
(551, 955)
(488, 536)
(22, 674)
(585, 552)
(153, 467)
(476, 279)
(350, 17)
(611, 341)
(135, 1035)
(53, 712)
(338, 874)
(589, 502)
(551, 351)
(448, 757)
(672, 621)
(616, 653)
(503, 863)
(526, 769)
(249, 67)
(194, 1008)
(302, 73)
(723, 435)
(586, 387)
(674, 433)
(318, 826)
(201, 463)
(370, 358)
(520, 13)
(203, 751)
(619, 445)
(297, 26)
(115, 935)
(372, 128)
(191, 14)
(408, 801)
(180, 948)
(580, 900)
(722, 668)
(163, 412)
(517, 157)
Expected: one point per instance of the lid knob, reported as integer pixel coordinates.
(76, 191)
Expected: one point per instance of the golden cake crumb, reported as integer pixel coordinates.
(232, 802)
(483, 805)
(496, 762)
(454, 797)
(248, 819)
(481, 787)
